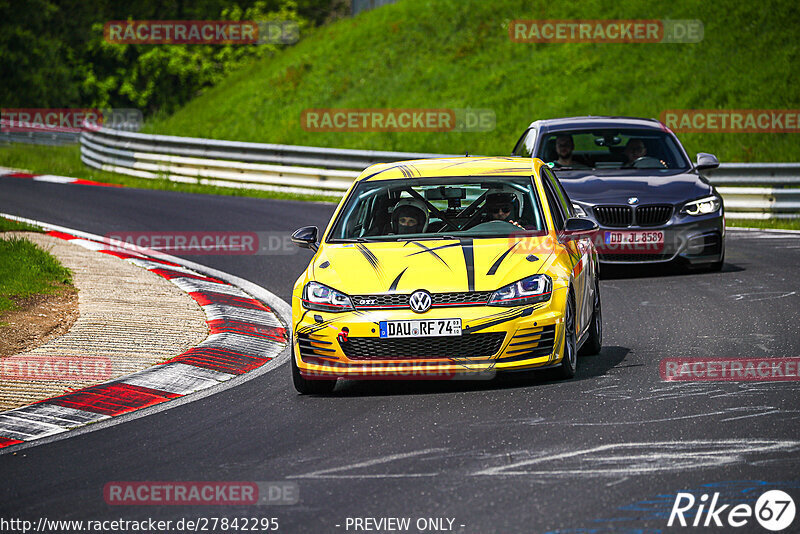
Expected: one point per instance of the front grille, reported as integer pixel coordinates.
(614, 216)
(400, 300)
(464, 346)
(653, 215)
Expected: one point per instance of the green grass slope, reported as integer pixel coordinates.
(457, 54)
(26, 269)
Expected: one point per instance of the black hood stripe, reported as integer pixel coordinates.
(393, 287)
(445, 246)
(370, 257)
(428, 250)
(469, 261)
(498, 261)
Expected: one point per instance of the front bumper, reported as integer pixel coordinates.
(696, 240)
(348, 344)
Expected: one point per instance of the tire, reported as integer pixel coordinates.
(717, 265)
(594, 342)
(310, 387)
(569, 363)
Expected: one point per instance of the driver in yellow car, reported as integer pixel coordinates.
(500, 207)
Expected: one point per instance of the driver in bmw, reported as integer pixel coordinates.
(634, 150)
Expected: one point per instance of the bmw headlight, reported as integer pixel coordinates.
(323, 298)
(702, 206)
(579, 211)
(529, 290)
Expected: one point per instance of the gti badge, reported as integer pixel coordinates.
(633, 200)
(420, 301)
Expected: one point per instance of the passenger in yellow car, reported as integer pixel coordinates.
(409, 217)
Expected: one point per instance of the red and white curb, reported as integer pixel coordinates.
(245, 335)
(52, 178)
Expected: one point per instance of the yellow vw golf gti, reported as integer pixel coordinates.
(433, 269)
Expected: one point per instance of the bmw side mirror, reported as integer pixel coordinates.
(578, 227)
(706, 161)
(306, 237)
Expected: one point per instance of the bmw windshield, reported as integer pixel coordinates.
(439, 208)
(611, 149)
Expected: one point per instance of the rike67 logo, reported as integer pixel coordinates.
(774, 510)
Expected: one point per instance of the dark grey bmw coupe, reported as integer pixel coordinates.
(633, 177)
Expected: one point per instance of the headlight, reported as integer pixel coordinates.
(579, 211)
(703, 206)
(529, 290)
(322, 298)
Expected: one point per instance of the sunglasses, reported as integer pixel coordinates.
(499, 209)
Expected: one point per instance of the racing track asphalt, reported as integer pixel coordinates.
(517, 455)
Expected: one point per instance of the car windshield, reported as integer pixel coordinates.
(611, 149)
(439, 208)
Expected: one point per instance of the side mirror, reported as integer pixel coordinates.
(306, 237)
(578, 227)
(706, 161)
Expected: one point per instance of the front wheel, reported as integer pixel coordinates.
(569, 363)
(594, 342)
(305, 386)
(717, 265)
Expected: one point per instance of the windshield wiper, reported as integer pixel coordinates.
(426, 238)
(351, 240)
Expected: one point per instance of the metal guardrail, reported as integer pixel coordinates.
(330, 171)
(40, 138)
(11, 133)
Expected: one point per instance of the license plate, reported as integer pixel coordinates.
(421, 328)
(634, 238)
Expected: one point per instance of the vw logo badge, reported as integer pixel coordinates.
(633, 200)
(420, 301)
